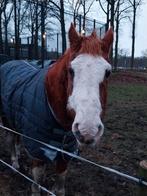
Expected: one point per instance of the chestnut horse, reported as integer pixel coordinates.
(69, 95)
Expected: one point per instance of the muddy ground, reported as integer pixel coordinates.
(123, 146)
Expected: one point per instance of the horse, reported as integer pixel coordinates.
(62, 105)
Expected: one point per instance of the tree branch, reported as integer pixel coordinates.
(89, 7)
(102, 7)
(55, 4)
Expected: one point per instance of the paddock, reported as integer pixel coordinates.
(122, 147)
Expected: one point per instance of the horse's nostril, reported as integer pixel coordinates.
(100, 129)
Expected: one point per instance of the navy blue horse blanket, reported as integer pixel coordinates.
(25, 105)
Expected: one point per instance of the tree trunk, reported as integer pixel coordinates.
(16, 31)
(6, 38)
(117, 39)
(62, 21)
(42, 33)
(108, 18)
(32, 42)
(133, 38)
(112, 13)
(112, 3)
(36, 33)
(84, 15)
(1, 36)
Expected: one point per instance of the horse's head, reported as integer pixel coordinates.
(88, 71)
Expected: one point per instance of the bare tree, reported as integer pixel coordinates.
(34, 23)
(16, 27)
(58, 12)
(20, 10)
(7, 16)
(109, 7)
(86, 7)
(74, 6)
(116, 11)
(105, 6)
(37, 17)
(2, 7)
(62, 20)
(122, 12)
(135, 5)
(37, 25)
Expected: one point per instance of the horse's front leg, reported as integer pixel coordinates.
(15, 150)
(38, 169)
(13, 142)
(61, 170)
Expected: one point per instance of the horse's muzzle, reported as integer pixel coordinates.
(86, 137)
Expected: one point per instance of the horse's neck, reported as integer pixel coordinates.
(56, 86)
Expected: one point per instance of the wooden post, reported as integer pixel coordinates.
(143, 173)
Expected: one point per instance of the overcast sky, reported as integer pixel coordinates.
(125, 31)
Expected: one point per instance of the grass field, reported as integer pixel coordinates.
(128, 93)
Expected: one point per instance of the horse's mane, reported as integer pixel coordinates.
(65, 58)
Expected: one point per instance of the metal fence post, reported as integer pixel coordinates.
(28, 46)
(100, 32)
(94, 24)
(57, 45)
(80, 23)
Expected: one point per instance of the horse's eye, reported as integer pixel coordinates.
(107, 73)
(71, 72)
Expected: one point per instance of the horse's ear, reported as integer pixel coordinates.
(74, 38)
(108, 40)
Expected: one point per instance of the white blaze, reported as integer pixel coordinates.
(89, 72)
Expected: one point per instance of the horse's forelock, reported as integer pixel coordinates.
(91, 45)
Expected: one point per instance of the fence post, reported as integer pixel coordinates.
(28, 43)
(80, 23)
(57, 45)
(100, 32)
(94, 24)
(143, 173)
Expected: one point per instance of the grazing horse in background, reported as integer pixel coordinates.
(62, 105)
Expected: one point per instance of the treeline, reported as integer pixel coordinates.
(23, 17)
(118, 12)
(139, 62)
(36, 17)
